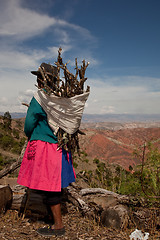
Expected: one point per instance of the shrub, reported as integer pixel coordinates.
(84, 153)
(18, 123)
(15, 133)
(7, 120)
(16, 148)
(22, 141)
(1, 162)
(75, 165)
(7, 142)
(96, 160)
(101, 166)
(86, 160)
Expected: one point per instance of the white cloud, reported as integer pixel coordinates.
(3, 101)
(26, 96)
(108, 98)
(22, 23)
(14, 59)
(107, 109)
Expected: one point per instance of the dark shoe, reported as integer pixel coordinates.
(49, 232)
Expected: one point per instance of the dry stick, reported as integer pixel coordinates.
(44, 82)
(25, 104)
(25, 205)
(42, 71)
(76, 75)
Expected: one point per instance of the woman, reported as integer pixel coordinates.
(45, 167)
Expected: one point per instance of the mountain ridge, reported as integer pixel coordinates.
(119, 125)
(106, 117)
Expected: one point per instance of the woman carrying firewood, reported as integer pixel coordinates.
(46, 165)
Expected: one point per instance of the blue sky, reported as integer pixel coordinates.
(120, 39)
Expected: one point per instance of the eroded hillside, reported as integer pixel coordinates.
(118, 146)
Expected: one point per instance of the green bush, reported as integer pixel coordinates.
(101, 166)
(86, 160)
(130, 185)
(22, 141)
(1, 162)
(7, 121)
(16, 148)
(18, 123)
(75, 165)
(7, 142)
(15, 133)
(84, 153)
(96, 160)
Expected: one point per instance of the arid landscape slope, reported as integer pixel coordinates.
(115, 143)
(110, 142)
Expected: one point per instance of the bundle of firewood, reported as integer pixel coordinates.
(73, 84)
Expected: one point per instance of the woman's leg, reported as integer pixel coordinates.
(54, 201)
(56, 211)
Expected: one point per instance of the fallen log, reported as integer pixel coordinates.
(5, 198)
(111, 209)
(103, 204)
(29, 202)
(19, 193)
(93, 203)
(11, 168)
(76, 199)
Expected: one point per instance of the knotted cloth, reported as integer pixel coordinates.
(65, 113)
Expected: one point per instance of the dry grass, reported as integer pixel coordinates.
(77, 228)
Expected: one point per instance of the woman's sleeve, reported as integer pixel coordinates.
(31, 118)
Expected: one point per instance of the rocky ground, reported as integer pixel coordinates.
(77, 227)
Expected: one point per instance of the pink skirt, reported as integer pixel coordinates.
(41, 167)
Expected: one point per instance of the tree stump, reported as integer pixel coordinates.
(115, 217)
(5, 198)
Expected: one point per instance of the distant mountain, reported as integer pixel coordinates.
(114, 126)
(120, 118)
(15, 114)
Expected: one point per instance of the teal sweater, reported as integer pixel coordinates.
(36, 126)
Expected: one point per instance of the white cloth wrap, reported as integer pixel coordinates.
(65, 113)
